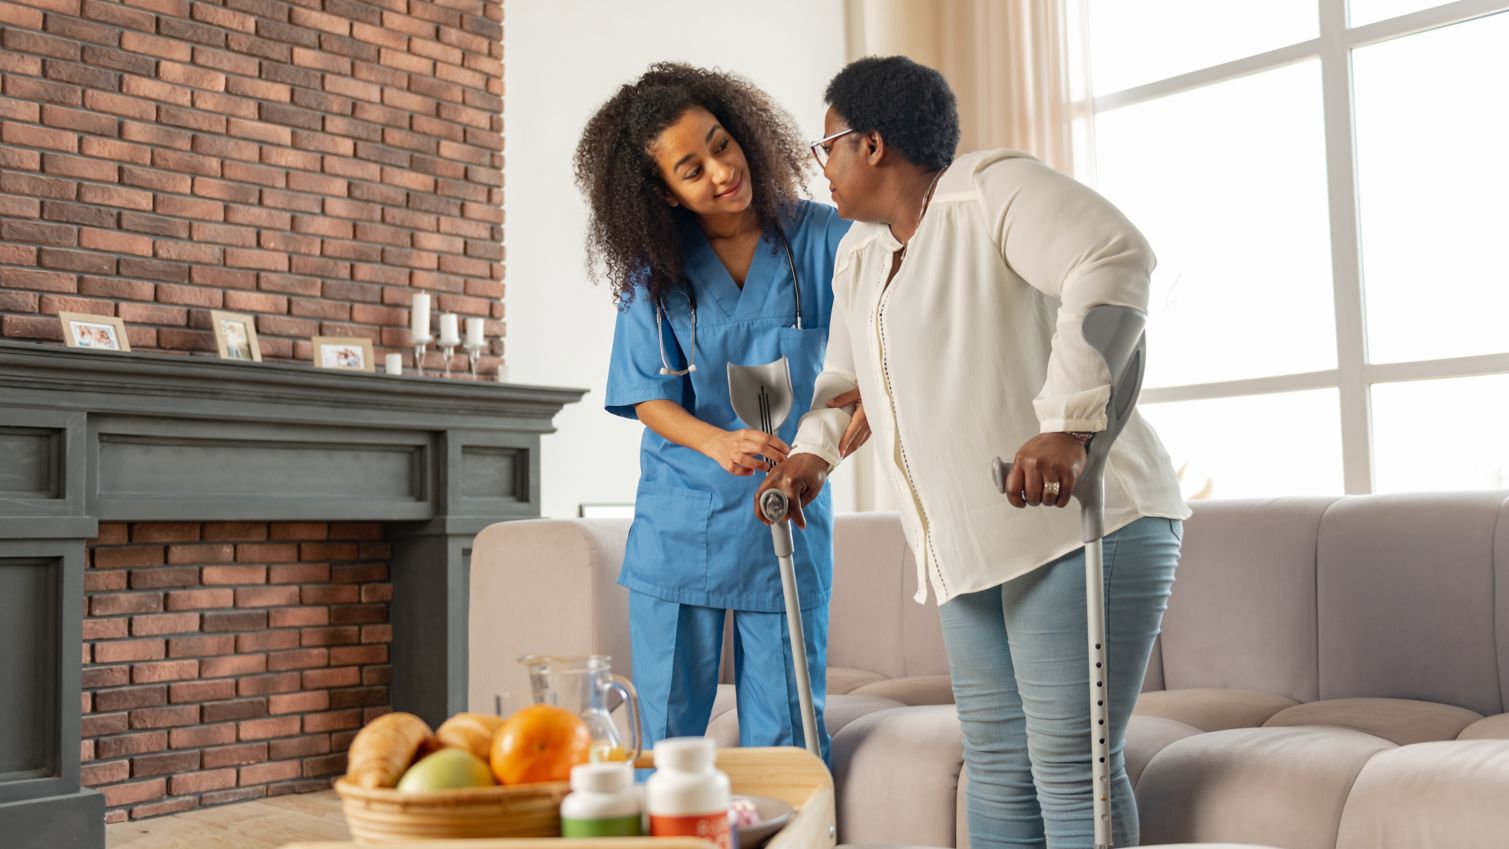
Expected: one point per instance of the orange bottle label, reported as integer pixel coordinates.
(711, 827)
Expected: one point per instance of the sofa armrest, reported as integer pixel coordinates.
(545, 586)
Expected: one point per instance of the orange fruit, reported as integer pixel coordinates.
(539, 743)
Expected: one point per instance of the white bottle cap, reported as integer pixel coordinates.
(690, 754)
(608, 777)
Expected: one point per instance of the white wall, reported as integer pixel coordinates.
(562, 59)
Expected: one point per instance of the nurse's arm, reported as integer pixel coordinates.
(739, 452)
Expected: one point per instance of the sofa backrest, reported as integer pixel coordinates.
(1406, 595)
(1388, 596)
(1393, 596)
(873, 624)
(550, 586)
(1243, 612)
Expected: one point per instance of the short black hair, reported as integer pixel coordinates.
(910, 105)
(634, 238)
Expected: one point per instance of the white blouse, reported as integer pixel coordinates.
(974, 347)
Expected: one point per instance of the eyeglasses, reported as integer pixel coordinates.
(820, 149)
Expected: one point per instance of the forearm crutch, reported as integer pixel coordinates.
(761, 397)
(1116, 332)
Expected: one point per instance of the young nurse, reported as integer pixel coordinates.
(692, 177)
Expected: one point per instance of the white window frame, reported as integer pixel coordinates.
(1354, 376)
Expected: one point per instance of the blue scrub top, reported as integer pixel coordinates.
(695, 539)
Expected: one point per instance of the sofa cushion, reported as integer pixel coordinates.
(916, 690)
(1211, 709)
(896, 773)
(1147, 736)
(1448, 794)
(1494, 727)
(1405, 593)
(844, 679)
(1400, 721)
(839, 711)
(1279, 786)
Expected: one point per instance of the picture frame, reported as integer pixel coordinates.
(94, 332)
(346, 353)
(236, 336)
(605, 510)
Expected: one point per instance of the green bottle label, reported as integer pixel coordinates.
(610, 827)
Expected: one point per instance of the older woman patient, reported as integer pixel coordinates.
(958, 300)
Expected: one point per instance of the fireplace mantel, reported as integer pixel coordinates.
(91, 436)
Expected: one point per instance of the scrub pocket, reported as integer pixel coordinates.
(667, 546)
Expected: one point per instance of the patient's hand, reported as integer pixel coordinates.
(801, 477)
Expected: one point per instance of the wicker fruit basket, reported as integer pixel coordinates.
(386, 816)
(789, 774)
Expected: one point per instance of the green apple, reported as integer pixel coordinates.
(445, 770)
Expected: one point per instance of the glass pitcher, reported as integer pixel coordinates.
(581, 684)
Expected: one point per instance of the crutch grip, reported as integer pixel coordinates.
(774, 505)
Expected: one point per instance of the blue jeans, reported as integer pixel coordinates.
(1018, 654)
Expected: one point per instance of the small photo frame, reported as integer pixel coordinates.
(605, 510)
(236, 336)
(96, 332)
(343, 352)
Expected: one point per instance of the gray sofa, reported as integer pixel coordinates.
(1333, 672)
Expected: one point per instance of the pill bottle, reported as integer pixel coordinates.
(603, 803)
(688, 796)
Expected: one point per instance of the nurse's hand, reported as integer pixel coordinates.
(801, 478)
(858, 431)
(1045, 459)
(740, 452)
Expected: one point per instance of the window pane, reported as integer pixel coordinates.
(1228, 183)
(1432, 131)
(1361, 12)
(1253, 446)
(1408, 419)
(1138, 41)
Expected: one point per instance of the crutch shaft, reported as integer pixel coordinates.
(1100, 724)
(774, 506)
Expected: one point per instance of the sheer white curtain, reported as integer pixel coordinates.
(1019, 70)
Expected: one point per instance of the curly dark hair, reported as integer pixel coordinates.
(910, 105)
(634, 238)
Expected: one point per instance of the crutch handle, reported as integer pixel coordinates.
(774, 505)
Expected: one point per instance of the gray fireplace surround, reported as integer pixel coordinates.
(88, 436)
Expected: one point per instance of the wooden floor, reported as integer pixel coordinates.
(262, 824)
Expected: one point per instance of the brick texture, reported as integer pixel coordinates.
(310, 162)
(231, 660)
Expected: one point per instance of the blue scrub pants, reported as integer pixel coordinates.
(1018, 653)
(677, 649)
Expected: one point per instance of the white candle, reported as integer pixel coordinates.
(393, 364)
(474, 327)
(419, 316)
(450, 330)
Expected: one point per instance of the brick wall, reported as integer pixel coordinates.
(312, 162)
(227, 661)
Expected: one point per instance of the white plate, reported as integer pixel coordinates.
(774, 813)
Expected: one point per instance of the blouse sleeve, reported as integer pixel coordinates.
(1070, 243)
(822, 427)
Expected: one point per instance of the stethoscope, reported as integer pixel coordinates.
(691, 297)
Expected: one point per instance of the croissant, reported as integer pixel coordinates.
(472, 732)
(384, 749)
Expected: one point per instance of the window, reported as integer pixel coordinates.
(1323, 182)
